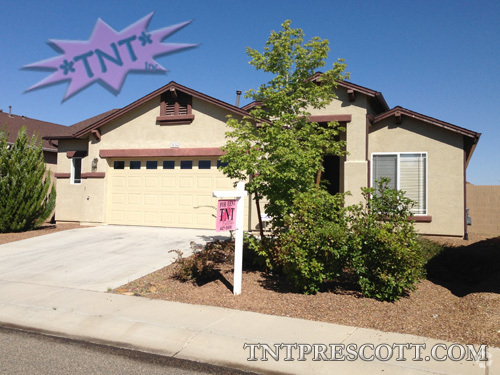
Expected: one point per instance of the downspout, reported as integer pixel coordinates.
(367, 156)
(466, 233)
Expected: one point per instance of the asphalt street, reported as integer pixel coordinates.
(31, 353)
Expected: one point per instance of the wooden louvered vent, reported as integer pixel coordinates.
(175, 108)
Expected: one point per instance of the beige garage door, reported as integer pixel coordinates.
(173, 192)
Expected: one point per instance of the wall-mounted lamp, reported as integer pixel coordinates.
(94, 164)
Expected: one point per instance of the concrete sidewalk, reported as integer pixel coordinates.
(210, 334)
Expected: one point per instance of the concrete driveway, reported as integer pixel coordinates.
(95, 258)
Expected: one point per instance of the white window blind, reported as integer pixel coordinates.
(412, 179)
(407, 172)
(386, 166)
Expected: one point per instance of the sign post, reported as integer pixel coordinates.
(225, 216)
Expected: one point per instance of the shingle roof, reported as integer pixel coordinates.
(13, 123)
(75, 128)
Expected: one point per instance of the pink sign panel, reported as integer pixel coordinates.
(226, 215)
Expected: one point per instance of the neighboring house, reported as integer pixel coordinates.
(13, 123)
(155, 161)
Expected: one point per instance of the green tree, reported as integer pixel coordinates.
(25, 201)
(276, 148)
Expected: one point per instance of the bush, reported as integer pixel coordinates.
(25, 201)
(201, 267)
(314, 245)
(385, 253)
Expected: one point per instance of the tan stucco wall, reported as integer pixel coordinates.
(444, 168)
(355, 166)
(80, 202)
(138, 128)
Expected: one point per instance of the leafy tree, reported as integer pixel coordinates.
(25, 201)
(276, 148)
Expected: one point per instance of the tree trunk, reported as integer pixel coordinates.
(261, 227)
(318, 178)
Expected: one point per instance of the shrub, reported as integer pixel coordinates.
(429, 249)
(25, 201)
(385, 252)
(314, 245)
(201, 267)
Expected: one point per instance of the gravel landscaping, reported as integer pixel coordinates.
(452, 304)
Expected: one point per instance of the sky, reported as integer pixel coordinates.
(439, 58)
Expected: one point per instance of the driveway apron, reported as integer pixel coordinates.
(96, 258)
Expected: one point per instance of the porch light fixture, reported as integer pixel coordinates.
(94, 164)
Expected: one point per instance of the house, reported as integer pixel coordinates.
(156, 162)
(13, 123)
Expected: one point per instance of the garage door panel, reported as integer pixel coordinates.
(150, 217)
(168, 182)
(134, 198)
(168, 200)
(151, 182)
(134, 181)
(185, 218)
(150, 199)
(133, 217)
(204, 182)
(186, 182)
(165, 197)
(118, 198)
(118, 181)
(186, 201)
(223, 183)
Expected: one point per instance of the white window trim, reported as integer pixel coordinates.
(72, 178)
(398, 154)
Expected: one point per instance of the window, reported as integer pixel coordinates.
(204, 164)
(220, 164)
(119, 165)
(168, 164)
(151, 164)
(76, 170)
(186, 164)
(135, 165)
(407, 172)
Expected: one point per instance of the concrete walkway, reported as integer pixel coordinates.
(216, 335)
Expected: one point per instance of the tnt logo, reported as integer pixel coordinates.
(108, 56)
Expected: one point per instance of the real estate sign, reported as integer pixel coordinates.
(226, 215)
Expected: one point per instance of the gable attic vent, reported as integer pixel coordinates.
(175, 108)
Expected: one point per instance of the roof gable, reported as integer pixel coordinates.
(470, 137)
(376, 98)
(87, 126)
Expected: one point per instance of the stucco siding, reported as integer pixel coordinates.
(82, 202)
(445, 162)
(354, 166)
(139, 129)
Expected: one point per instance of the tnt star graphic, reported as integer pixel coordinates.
(108, 56)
